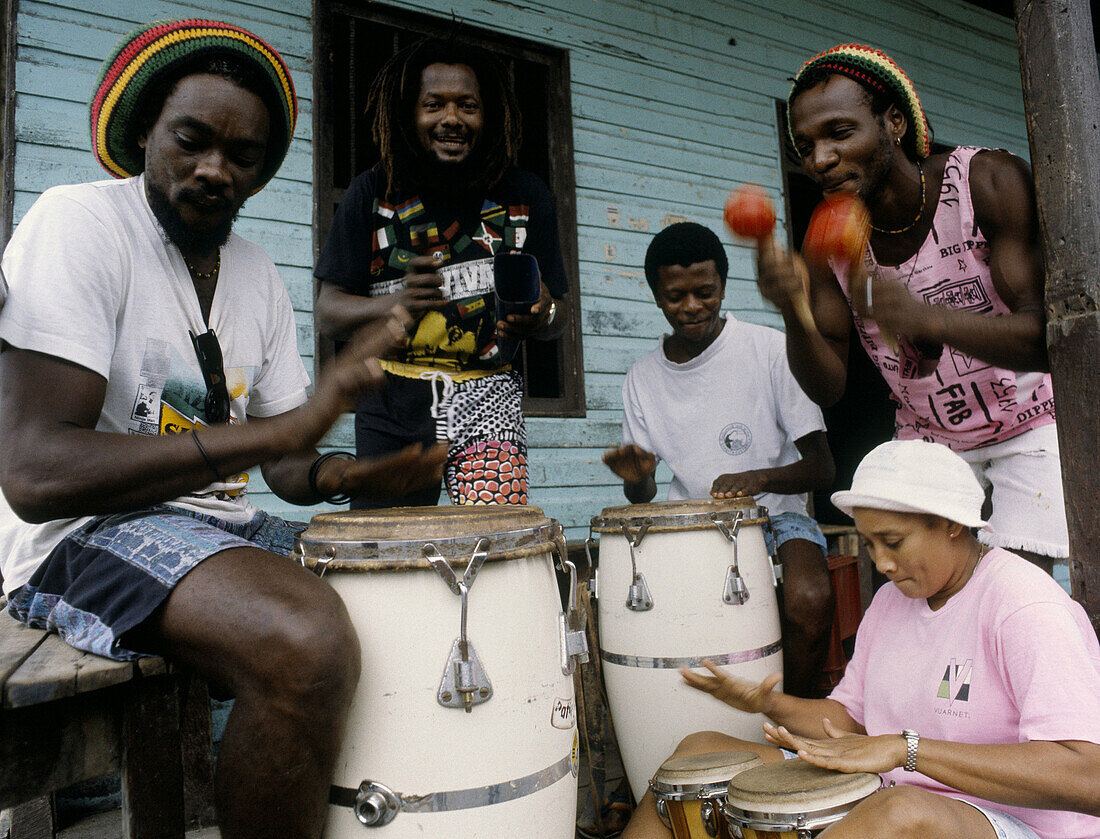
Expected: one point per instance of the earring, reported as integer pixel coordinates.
(897, 141)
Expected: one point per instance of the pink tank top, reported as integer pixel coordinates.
(964, 403)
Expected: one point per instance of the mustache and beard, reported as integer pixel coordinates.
(187, 238)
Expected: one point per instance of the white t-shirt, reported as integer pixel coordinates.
(95, 281)
(1010, 658)
(734, 407)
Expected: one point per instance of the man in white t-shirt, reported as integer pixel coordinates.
(148, 358)
(717, 402)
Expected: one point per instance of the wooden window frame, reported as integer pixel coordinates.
(8, 17)
(559, 141)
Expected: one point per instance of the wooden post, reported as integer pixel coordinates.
(1062, 100)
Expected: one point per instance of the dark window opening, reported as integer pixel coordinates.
(351, 45)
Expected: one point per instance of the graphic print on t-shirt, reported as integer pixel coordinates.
(955, 685)
(735, 438)
(170, 395)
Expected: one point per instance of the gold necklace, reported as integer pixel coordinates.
(204, 275)
(920, 209)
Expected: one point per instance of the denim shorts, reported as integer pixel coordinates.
(793, 526)
(111, 573)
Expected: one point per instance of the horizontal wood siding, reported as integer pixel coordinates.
(673, 105)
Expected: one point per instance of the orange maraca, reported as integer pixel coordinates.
(749, 212)
(838, 229)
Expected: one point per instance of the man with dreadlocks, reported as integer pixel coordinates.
(148, 359)
(421, 229)
(954, 283)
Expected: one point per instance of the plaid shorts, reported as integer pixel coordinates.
(107, 576)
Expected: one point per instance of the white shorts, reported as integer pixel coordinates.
(1029, 510)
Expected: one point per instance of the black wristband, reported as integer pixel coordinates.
(315, 469)
(205, 456)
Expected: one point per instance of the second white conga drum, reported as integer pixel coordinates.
(458, 727)
(679, 582)
(690, 791)
(792, 799)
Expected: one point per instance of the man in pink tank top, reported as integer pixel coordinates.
(952, 309)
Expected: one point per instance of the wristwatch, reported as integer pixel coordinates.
(912, 740)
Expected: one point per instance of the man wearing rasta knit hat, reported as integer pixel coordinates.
(148, 358)
(950, 288)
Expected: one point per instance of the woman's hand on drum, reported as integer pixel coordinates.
(630, 462)
(842, 750)
(742, 694)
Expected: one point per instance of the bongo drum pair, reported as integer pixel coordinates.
(464, 721)
(679, 582)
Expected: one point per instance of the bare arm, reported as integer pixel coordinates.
(340, 313)
(637, 468)
(818, 356)
(54, 464)
(814, 471)
(1004, 209)
(805, 716)
(1043, 774)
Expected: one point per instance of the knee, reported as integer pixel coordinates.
(701, 742)
(808, 593)
(900, 812)
(312, 653)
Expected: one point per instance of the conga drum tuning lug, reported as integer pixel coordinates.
(639, 598)
(574, 641)
(464, 682)
(709, 815)
(662, 811)
(735, 593)
(376, 804)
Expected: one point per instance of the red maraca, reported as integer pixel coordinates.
(838, 229)
(749, 213)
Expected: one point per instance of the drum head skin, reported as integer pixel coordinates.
(689, 772)
(690, 514)
(794, 786)
(393, 538)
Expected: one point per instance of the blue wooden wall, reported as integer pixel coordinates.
(673, 105)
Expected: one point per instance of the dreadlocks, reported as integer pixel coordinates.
(392, 100)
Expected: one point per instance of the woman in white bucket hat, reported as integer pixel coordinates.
(974, 686)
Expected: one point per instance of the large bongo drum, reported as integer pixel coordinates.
(691, 791)
(679, 582)
(792, 799)
(463, 722)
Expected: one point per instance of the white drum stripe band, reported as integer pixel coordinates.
(669, 663)
(466, 799)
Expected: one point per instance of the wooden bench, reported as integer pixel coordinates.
(68, 716)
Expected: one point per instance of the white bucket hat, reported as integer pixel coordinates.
(912, 476)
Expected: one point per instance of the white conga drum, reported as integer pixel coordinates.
(691, 791)
(792, 799)
(463, 722)
(679, 582)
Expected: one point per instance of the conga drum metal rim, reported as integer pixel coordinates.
(396, 538)
(794, 795)
(673, 516)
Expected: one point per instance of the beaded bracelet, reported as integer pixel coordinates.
(205, 456)
(315, 469)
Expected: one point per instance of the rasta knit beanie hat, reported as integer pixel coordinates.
(164, 51)
(877, 71)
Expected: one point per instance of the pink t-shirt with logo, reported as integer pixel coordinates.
(964, 403)
(1009, 659)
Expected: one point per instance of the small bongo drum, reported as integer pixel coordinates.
(792, 799)
(689, 791)
(463, 723)
(679, 582)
